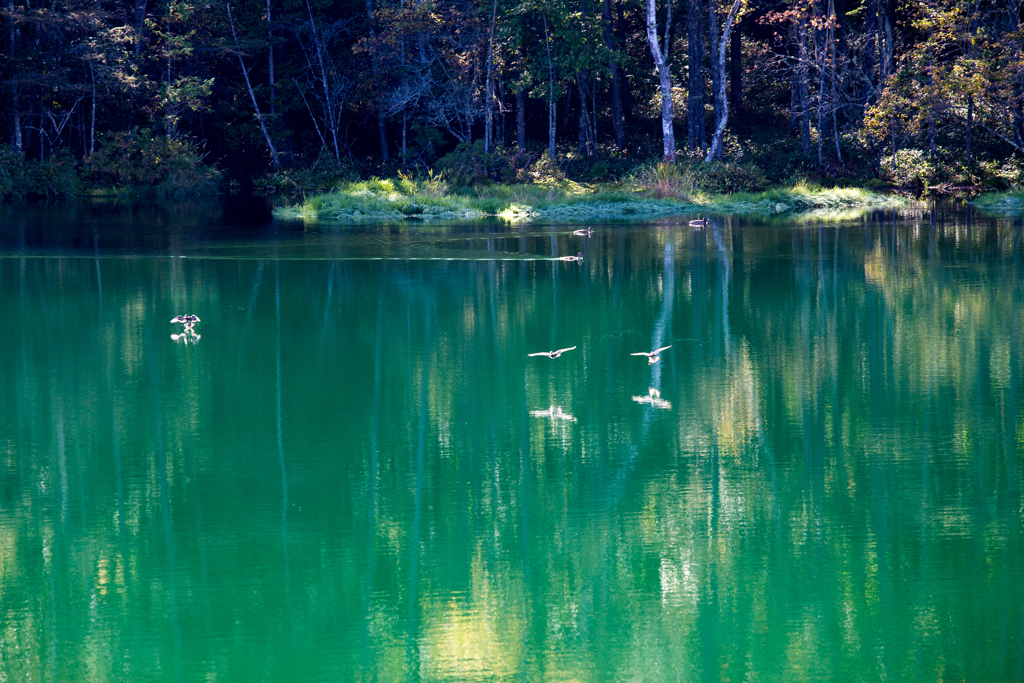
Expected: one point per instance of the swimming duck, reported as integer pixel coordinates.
(586, 232)
(652, 356)
(551, 354)
(699, 223)
(577, 257)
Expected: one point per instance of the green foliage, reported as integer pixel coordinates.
(140, 163)
(468, 164)
(55, 178)
(14, 174)
(909, 167)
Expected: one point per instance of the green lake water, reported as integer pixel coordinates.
(356, 473)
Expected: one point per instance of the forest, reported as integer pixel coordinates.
(187, 96)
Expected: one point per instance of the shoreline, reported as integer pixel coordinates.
(566, 201)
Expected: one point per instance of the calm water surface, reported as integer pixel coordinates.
(357, 474)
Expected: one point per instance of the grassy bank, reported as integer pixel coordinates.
(563, 200)
(1005, 202)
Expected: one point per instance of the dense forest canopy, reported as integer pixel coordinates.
(911, 90)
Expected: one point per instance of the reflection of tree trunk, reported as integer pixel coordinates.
(613, 70)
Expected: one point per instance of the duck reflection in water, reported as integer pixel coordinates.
(654, 398)
(555, 413)
(578, 258)
(189, 336)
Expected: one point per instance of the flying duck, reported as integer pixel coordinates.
(652, 356)
(551, 354)
(188, 321)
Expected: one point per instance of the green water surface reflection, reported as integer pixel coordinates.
(357, 473)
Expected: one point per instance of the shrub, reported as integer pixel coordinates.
(141, 163)
(14, 174)
(908, 167)
(468, 164)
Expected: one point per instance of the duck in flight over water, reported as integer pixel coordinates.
(551, 354)
(188, 321)
(652, 356)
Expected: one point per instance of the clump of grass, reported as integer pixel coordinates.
(1009, 202)
(667, 194)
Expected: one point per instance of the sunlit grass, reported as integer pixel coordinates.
(1010, 202)
(560, 200)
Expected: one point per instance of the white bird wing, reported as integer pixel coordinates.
(663, 348)
(539, 353)
(176, 319)
(642, 353)
(564, 350)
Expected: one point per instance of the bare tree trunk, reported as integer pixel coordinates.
(382, 129)
(970, 127)
(713, 58)
(803, 75)
(488, 87)
(270, 58)
(613, 69)
(696, 136)
(721, 101)
(665, 80)
(521, 119)
(586, 145)
(870, 27)
(92, 115)
(331, 119)
(736, 69)
(551, 93)
(245, 72)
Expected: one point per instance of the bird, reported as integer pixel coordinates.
(188, 321)
(577, 257)
(551, 354)
(654, 398)
(699, 223)
(652, 356)
(586, 232)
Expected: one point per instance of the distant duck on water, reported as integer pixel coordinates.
(586, 232)
(578, 257)
(699, 223)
